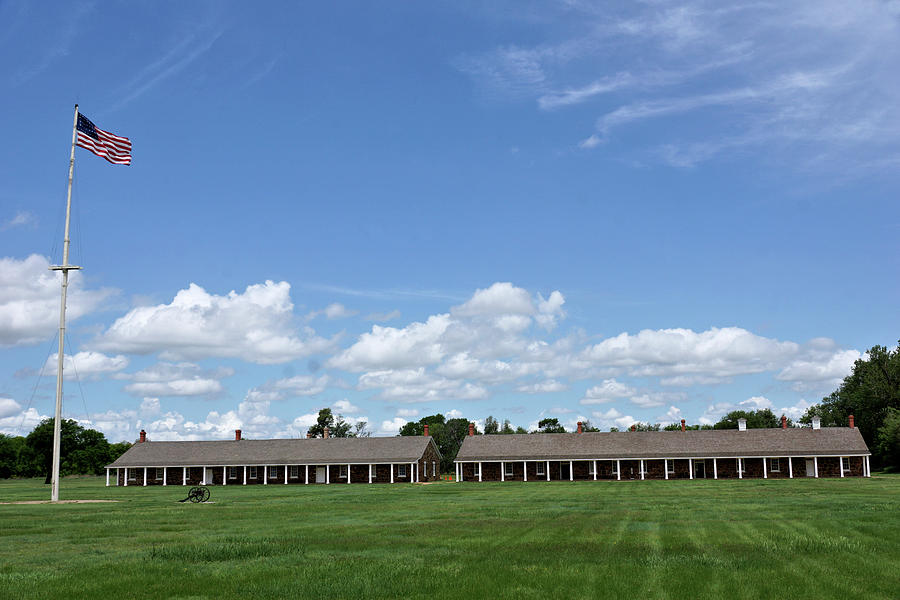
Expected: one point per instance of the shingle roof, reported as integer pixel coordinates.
(712, 443)
(314, 451)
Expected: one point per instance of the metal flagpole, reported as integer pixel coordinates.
(65, 267)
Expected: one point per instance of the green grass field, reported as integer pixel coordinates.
(828, 538)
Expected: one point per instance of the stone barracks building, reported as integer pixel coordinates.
(705, 454)
(268, 462)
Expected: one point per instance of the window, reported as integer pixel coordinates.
(401, 471)
(295, 471)
(159, 474)
(740, 465)
(670, 467)
(775, 464)
(508, 469)
(342, 474)
(434, 468)
(615, 468)
(131, 475)
(845, 463)
(592, 466)
(252, 472)
(539, 468)
(232, 472)
(425, 469)
(273, 472)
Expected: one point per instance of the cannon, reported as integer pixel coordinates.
(197, 494)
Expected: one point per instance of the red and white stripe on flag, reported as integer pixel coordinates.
(116, 149)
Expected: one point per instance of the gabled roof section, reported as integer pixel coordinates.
(316, 451)
(664, 444)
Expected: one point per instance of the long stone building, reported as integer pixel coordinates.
(268, 462)
(742, 453)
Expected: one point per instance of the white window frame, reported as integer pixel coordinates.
(254, 473)
(158, 474)
(847, 458)
(741, 467)
(509, 469)
(434, 468)
(539, 468)
(775, 465)
(232, 472)
(401, 470)
(615, 467)
(670, 466)
(295, 471)
(273, 472)
(132, 476)
(342, 472)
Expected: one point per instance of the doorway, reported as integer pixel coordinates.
(810, 467)
(320, 474)
(699, 469)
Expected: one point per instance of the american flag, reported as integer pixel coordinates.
(114, 148)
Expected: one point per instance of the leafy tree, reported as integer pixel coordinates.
(447, 434)
(10, 451)
(361, 430)
(868, 393)
(644, 427)
(82, 450)
(889, 439)
(756, 419)
(337, 427)
(520, 429)
(586, 426)
(550, 425)
(491, 426)
(507, 427)
(677, 427)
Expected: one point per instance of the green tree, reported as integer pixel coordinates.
(10, 451)
(520, 429)
(337, 426)
(507, 427)
(448, 435)
(550, 425)
(644, 427)
(888, 446)
(868, 393)
(756, 419)
(82, 451)
(587, 427)
(491, 426)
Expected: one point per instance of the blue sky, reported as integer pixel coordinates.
(660, 211)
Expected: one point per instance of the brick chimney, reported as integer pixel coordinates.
(783, 422)
(426, 429)
(580, 429)
(742, 424)
(325, 433)
(471, 428)
(682, 424)
(634, 427)
(237, 435)
(851, 421)
(143, 436)
(308, 435)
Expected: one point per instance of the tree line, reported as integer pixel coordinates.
(83, 451)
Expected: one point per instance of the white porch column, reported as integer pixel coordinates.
(790, 468)
(571, 472)
(118, 470)
(245, 475)
(458, 472)
(868, 467)
(548, 470)
(285, 474)
(666, 466)
(841, 464)
(479, 471)
(502, 471)
(328, 474)
(183, 475)
(265, 474)
(392, 473)
(348, 474)
(525, 469)
(370, 472)
(715, 469)
(224, 476)
(618, 470)
(740, 464)
(642, 469)
(165, 475)
(126, 477)
(816, 465)
(595, 469)
(765, 470)
(305, 474)
(412, 473)
(145, 476)
(691, 468)
(107, 477)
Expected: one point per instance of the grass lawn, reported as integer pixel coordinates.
(825, 538)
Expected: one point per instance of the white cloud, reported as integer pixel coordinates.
(256, 326)
(654, 399)
(388, 316)
(299, 385)
(19, 422)
(411, 412)
(498, 300)
(335, 310)
(85, 364)
(345, 407)
(543, 387)
(29, 300)
(450, 414)
(417, 385)
(611, 418)
(673, 415)
(22, 218)
(822, 367)
(393, 426)
(608, 391)
(388, 347)
(592, 141)
(9, 407)
(171, 379)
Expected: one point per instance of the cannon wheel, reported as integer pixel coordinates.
(196, 494)
(205, 494)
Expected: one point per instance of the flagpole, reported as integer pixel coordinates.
(65, 267)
